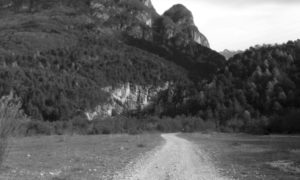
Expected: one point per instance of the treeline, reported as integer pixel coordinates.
(119, 124)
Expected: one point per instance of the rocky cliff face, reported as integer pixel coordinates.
(175, 28)
(135, 17)
(127, 97)
(177, 24)
(139, 19)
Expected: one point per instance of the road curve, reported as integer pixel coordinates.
(177, 159)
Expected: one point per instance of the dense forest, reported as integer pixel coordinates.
(56, 57)
(256, 91)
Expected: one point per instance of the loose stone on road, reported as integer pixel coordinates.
(177, 159)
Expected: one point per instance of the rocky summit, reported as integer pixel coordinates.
(139, 19)
(178, 23)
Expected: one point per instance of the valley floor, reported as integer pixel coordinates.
(210, 156)
(249, 157)
(73, 157)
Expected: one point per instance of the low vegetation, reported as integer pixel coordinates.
(74, 157)
(248, 157)
(116, 125)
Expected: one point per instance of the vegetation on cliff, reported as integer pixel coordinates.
(57, 61)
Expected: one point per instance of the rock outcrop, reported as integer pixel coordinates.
(177, 24)
(135, 17)
(139, 19)
(147, 3)
(127, 98)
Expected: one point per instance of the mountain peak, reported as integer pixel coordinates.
(229, 53)
(177, 23)
(180, 14)
(147, 3)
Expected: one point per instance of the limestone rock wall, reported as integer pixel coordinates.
(127, 97)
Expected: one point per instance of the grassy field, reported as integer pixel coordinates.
(73, 157)
(247, 157)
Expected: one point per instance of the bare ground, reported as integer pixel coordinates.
(73, 157)
(252, 157)
(177, 159)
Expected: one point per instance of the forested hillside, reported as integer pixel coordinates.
(65, 58)
(258, 90)
(57, 61)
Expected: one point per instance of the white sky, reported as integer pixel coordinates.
(239, 24)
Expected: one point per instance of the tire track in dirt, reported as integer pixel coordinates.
(177, 159)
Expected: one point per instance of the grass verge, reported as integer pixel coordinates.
(248, 157)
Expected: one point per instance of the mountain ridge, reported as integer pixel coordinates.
(230, 53)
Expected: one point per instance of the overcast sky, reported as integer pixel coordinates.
(239, 24)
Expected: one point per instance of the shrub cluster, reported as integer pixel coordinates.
(116, 125)
(286, 123)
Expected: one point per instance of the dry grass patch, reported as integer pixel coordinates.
(248, 157)
(74, 157)
(286, 166)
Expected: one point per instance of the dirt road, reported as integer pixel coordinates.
(177, 159)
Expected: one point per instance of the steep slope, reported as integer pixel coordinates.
(133, 17)
(177, 24)
(176, 38)
(172, 36)
(69, 57)
(59, 60)
(176, 31)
